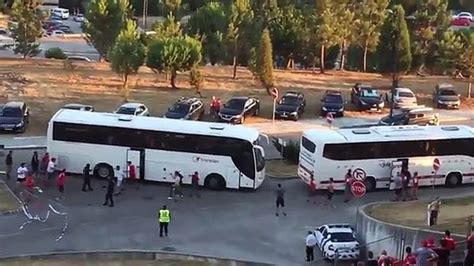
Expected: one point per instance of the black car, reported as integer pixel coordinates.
(290, 106)
(237, 108)
(14, 117)
(332, 102)
(366, 97)
(187, 109)
(444, 96)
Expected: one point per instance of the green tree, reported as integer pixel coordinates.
(196, 80)
(394, 53)
(168, 28)
(128, 54)
(264, 61)
(104, 19)
(324, 33)
(344, 12)
(466, 59)
(210, 23)
(169, 6)
(369, 17)
(240, 15)
(174, 54)
(27, 30)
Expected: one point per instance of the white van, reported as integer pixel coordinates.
(60, 12)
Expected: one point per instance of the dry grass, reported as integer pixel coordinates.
(50, 86)
(7, 200)
(453, 214)
(99, 262)
(281, 169)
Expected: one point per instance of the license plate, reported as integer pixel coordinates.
(450, 105)
(284, 115)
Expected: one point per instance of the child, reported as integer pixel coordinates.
(60, 184)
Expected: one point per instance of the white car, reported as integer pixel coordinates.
(62, 13)
(56, 33)
(79, 58)
(79, 107)
(464, 15)
(137, 109)
(402, 97)
(79, 18)
(337, 240)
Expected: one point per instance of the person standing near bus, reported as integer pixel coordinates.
(330, 192)
(347, 189)
(51, 168)
(406, 179)
(60, 180)
(280, 200)
(195, 184)
(119, 177)
(311, 191)
(164, 218)
(44, 162)
(35, 164)
(86, 175)
(9, 164)
(132, 173)
(110, 192)
(414, 186)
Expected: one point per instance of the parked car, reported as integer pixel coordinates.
(402, 97)
(187, 109)
(444, 96)
(461, 21)
(367, 97)
(79, 58)
(137, 109)
(340, 237)
(463, 14)
(332, 102)
(14, 117)
(79, 107)
(422, 116)
(56, 33)
(79, 18)
(62, 13)
(291, 106)
(237, 109)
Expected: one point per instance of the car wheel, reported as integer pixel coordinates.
(296, 117)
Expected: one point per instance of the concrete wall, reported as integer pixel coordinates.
(393, 238)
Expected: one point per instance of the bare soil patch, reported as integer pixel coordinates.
(48, 86)
(281, 169)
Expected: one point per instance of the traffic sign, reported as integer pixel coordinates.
(274, 93)
(359, 174)
(436, 164)
(358, 189)
(329, 118)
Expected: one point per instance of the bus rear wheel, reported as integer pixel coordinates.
(103, 170)
(453, 179)
(370, 184)
(214, 182)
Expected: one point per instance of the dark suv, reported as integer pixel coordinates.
(186, 109)
(14, 117)
(237, 109)
(291, 106)
(332, 102)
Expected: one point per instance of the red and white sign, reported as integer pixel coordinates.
(358, 189)
(274, 93)
(436, 164)
(329, 118)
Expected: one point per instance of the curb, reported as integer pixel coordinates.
(10, 212)
(132, 254)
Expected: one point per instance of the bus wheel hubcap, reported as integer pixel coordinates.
(103, 172)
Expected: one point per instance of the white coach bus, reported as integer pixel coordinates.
(225, 156)
(381, 151)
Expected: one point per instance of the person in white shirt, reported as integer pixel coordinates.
(119, 175)
(21, 171)
(310, 243)
(51, 168)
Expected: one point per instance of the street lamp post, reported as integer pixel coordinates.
(145, 14)
(395, 34)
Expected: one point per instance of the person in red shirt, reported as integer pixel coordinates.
(132, 173)
(410, 258)
(195, 184)
(60, 180)
(450, 243)
(215, 106)
(431, 243)
(30, 183)
(311, 190)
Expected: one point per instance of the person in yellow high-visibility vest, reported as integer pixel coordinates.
(164, 218)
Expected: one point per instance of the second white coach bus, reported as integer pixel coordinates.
(380, 152)
(225, 156)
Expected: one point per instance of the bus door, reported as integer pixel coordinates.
(395, 171)
(233, 177)
(137, 157)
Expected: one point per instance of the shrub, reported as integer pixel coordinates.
(196, 80)
(55, 53)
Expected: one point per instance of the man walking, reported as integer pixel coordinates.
(176, 186)
(9, 164)
(110, 192)
(51, 168)
(310, 243)
(433, 211)
(35, 164)
(119, 177)
(195, 184)
(280, 200)
(60, 180)
(132, 173)
(311, 191)
(164, 218)
(347, 188)
(21, 173)
(86, 174)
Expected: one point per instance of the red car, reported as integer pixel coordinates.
(461, 21)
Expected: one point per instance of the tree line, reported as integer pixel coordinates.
(384, 36)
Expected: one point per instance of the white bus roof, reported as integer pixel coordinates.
(156, 123)
(389, 133)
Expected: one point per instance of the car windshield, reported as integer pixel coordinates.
(369, 92)
(342, 237)
(11, 112)
(331, 98)
(179, 108)
(72, 107)
(289, 100)
(126, 110)
(447, 92)
(236, 104)
(405, 94)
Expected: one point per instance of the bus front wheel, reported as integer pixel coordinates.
(453, 179)
(215, 182)
(370, 184)
(103, 170)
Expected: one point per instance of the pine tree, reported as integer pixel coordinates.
(264, 64)
(27, 31)
(325, 31)
(240, 15)
(128, 54)
(344, 10)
